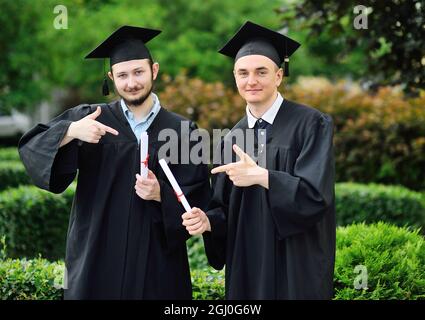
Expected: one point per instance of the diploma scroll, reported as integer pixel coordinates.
(175, 185)
(144, 156)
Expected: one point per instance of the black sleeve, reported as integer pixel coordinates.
(298, 201)
(50, 167)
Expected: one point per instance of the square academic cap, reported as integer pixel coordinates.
(253, 39)
(124, 44)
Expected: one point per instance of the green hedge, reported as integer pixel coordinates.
(196, 253)
(13, 174)
(9, 154)
(207, 284)
(26, 209)
(35, 221)
(393, 257)
(36, 279)
(39, 279)
(373, 203)
(379, 136)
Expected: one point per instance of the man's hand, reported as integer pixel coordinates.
(149, 188)
(245, 172)
(196, 221)
(88, 129)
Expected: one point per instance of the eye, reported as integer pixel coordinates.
(122, 76)
(263, 73)
(139, 72)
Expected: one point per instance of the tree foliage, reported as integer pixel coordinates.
(37, 57)
(393, 43)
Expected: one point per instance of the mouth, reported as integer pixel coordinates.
(133, 93)
(253, 90)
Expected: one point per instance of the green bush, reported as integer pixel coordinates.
(9, 154)
(35, 221)
(39, 279)
(13, 174)
(373, 203)
(393, 257)
(196, 253)
(379, 137)
(36, 279)
(207, 284)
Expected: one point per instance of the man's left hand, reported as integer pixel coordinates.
(148, 189)
(245, 172)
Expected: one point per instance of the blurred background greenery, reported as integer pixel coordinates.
(38, 58)
(370, 80)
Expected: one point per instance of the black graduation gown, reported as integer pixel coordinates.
(280, 243)
(119, 246)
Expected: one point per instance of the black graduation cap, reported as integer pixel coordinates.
(252, 39)
(124, 44)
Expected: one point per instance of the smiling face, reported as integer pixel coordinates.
(134, 80)
(257, 78)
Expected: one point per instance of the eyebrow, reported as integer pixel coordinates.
(257, 69)
(125, 72)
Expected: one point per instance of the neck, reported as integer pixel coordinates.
(258, 109)
(140, 111)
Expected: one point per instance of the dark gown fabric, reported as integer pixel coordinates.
(119, 246)
(279, 243)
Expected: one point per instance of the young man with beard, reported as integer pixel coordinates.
(125, 239)
(273, 226)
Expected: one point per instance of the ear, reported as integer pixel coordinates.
(155, 70)
(279, 77)
(234, 75)
(110, 75)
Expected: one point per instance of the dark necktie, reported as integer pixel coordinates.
(260, 124)
(260, 129)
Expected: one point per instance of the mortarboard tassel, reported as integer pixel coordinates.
(286, 68)
(105, 87)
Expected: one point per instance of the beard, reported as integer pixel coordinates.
(140, 100)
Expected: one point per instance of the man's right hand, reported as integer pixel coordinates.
(87, 129)
(196, 221)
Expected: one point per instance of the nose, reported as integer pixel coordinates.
(131, 82)
(252, 80)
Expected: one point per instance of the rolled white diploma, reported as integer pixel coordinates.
(175, 185)
(144, 143)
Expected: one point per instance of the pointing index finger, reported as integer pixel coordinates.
(107, 129)
(223, 168)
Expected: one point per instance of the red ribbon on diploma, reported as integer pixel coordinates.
(145, 162)
(178, 196)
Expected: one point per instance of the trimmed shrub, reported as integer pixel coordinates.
(35, 221)
(378, 138)
(372, 203)
(196, 253)
(13, 174)
(9, 154)
(39, 279)
(36, 279)
(391, 258)
(207, 284)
